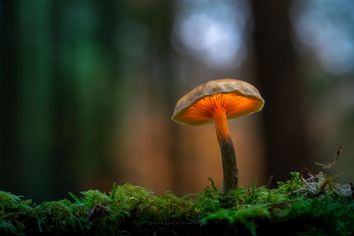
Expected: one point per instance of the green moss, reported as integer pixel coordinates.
(313, 206)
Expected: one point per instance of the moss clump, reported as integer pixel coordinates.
(311, 206)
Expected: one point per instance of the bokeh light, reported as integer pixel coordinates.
(323, 27)
(214, 31)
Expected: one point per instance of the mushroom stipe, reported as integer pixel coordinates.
(218, 101)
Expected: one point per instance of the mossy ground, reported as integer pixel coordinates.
(312, 206)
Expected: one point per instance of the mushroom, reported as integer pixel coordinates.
(219, 100)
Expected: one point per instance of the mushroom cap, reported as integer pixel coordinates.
(236, 97)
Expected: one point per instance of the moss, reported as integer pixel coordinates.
(312, 206)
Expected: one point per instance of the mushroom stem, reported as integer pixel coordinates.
(227, 150)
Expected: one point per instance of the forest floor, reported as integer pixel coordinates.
(314, 205)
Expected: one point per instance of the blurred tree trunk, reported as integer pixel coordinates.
(35, 96)
(91, 71)
(159, 20)
(287, 147)
(109, 109)
(65, 117)
(9, 91)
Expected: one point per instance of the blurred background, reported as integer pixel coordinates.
(88, 88)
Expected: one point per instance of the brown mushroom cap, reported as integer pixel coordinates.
(236, 97)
